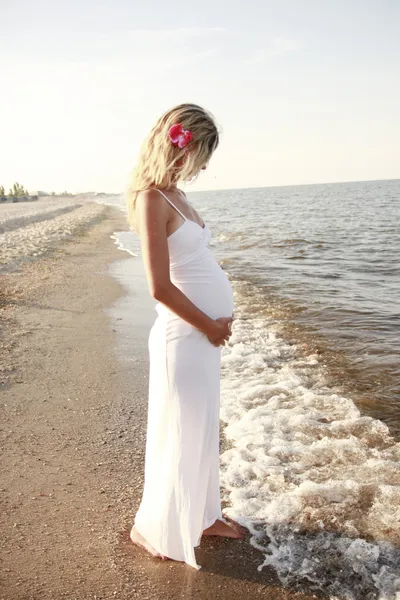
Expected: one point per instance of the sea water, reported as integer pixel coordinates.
(310, 386)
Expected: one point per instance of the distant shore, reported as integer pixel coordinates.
(12, 199)
(33, 229)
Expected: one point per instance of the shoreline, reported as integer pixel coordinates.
(74, 415)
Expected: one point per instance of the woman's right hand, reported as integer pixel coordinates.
(222, 331)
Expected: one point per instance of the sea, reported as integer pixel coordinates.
(310, 385)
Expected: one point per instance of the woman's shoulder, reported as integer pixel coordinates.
(148, 193)
(152, 201)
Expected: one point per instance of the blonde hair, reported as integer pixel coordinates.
(160, 163)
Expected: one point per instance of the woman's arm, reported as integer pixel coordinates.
(151, 217)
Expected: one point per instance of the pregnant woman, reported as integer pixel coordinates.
(181, 497)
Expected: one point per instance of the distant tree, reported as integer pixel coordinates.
(18, 190)
(2, 191)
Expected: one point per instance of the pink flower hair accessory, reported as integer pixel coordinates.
(179, 137)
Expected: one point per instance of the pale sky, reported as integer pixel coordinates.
(305, 91)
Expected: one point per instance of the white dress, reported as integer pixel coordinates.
(181, 494)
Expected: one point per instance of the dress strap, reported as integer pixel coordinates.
(171, 203)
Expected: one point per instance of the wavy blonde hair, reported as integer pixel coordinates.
(161, 164)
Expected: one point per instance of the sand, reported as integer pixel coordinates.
(73, 420)
(31, 230)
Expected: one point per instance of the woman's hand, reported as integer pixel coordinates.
(222, 331)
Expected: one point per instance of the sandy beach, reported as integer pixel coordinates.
(73, 437)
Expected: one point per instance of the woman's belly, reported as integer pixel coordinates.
(210, 291)
(206, 285)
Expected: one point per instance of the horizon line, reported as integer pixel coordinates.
(259, 187)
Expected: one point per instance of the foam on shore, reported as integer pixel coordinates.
(316, 482)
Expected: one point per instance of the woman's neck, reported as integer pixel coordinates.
(173, 187)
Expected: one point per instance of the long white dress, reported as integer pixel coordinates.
(181, 494)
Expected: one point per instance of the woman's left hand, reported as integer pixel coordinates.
(227, 334)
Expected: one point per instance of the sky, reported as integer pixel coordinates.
(303, 91)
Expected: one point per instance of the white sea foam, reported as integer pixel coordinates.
(316, 482)
(127, 241)
(122, 239)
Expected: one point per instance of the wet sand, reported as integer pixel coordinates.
(73, 416)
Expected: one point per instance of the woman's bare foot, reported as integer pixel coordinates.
(236, 525)
(224, 530)
(139, 540)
